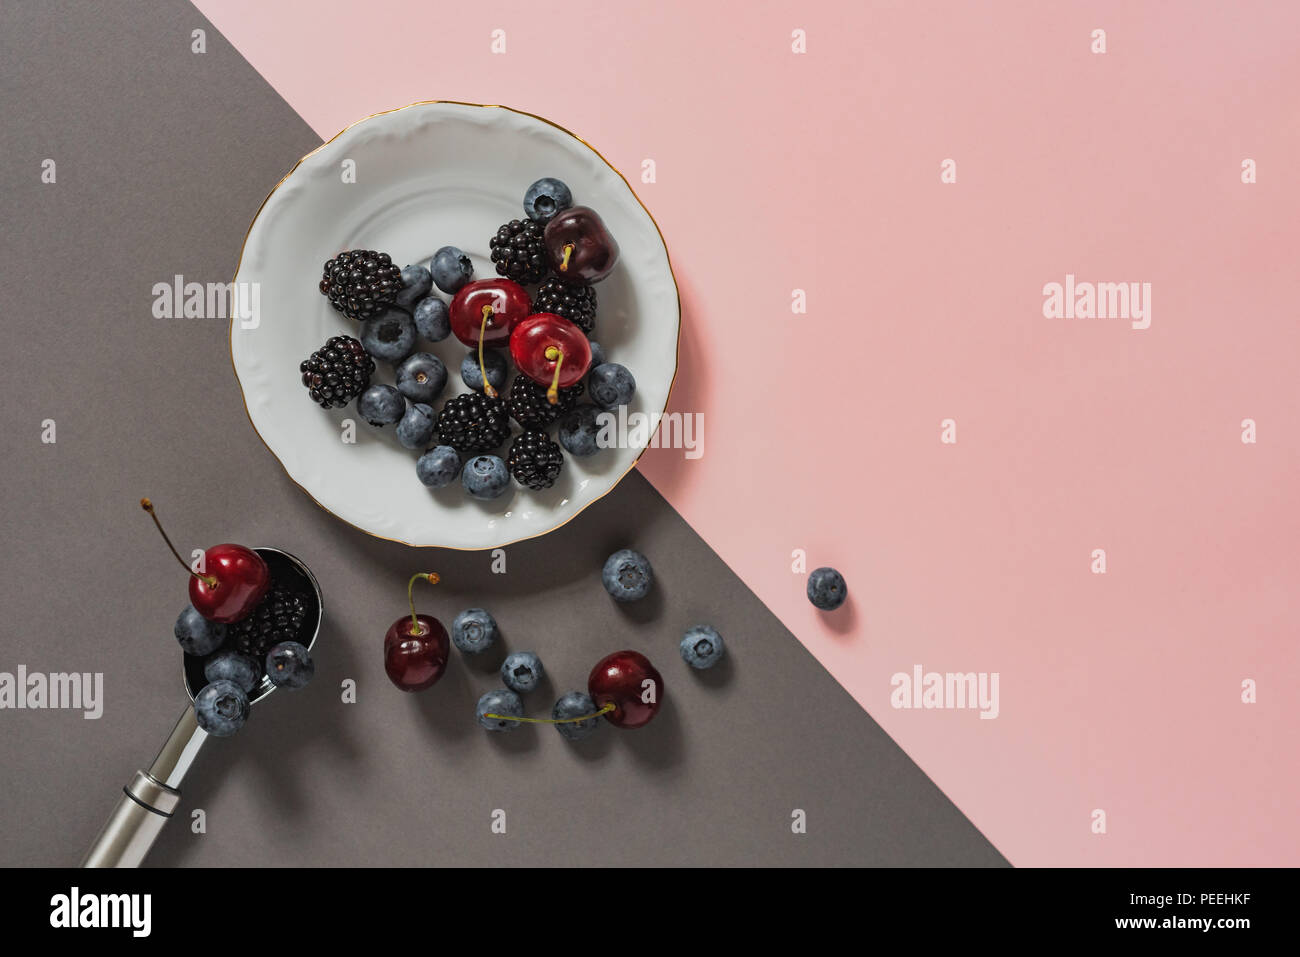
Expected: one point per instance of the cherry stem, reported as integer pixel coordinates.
(208, 580)
(556, 356)
(586, 717)
(482, 331)
(433, 579)
(568, 251)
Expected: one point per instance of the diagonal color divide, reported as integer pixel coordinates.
(824, 171)
(162, 156)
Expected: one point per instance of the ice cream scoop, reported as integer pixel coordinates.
(151, 797)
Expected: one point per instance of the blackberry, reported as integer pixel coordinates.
(535, 460)
(337, 372)
(360, 283)
(278, 617)
(575, 303)
(519, 250)
(527, 403)
(473, 423)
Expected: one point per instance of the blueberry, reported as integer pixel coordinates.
(432, 320)
(197, 635)
(389, 336)
(288, 665)
(381, 405)
(485, 476)
(422, 377)
(597, 355)
(415, 431)
(578, 430)
(221, 708)
(627, 575)
(500, 702)
(610, 385)
(451, 269)
(575, 704)
(545, 198)
(702, 646)
(473, 631)
(495, 364)
(522, 671)
(416, 283)
(826, 588)
(438, 467)
(232, 666)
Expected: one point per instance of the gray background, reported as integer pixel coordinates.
(163, 156)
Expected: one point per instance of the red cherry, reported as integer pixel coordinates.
(580, 248)
(415, 660)
(550, 350)
(416, 646)
(507, 304)
(628, 681)
(233, 581)
(484, 312)
(234, 578)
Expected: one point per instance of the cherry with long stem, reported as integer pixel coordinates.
(586, 717)
(232, 581)
(208, 580)
(550, 350)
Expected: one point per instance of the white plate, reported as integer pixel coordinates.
(431, 175)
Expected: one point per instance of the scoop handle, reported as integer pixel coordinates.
(148, 801)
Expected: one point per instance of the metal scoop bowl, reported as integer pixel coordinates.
(151, 797)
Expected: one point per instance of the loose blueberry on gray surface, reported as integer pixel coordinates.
(451, 269)
(702, 646)
(221, 708)
(597, 355)
(826, 588)
(421, 377)
(485, 476)
(415, 430)
(438, 467)
(575, 704)
(501, 702)
(473, 631)
(197, 635)
(495, 363)
(390, 336)
(522, 671)
(432, 319)
(545, 198)
(610, 385)
(289, 665)
(416, 285)
(627, 575)
(578, 430)
(381, 405)
(232, 666)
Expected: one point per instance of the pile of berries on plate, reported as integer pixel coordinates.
(561, 251)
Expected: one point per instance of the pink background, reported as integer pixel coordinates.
(820, 171)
